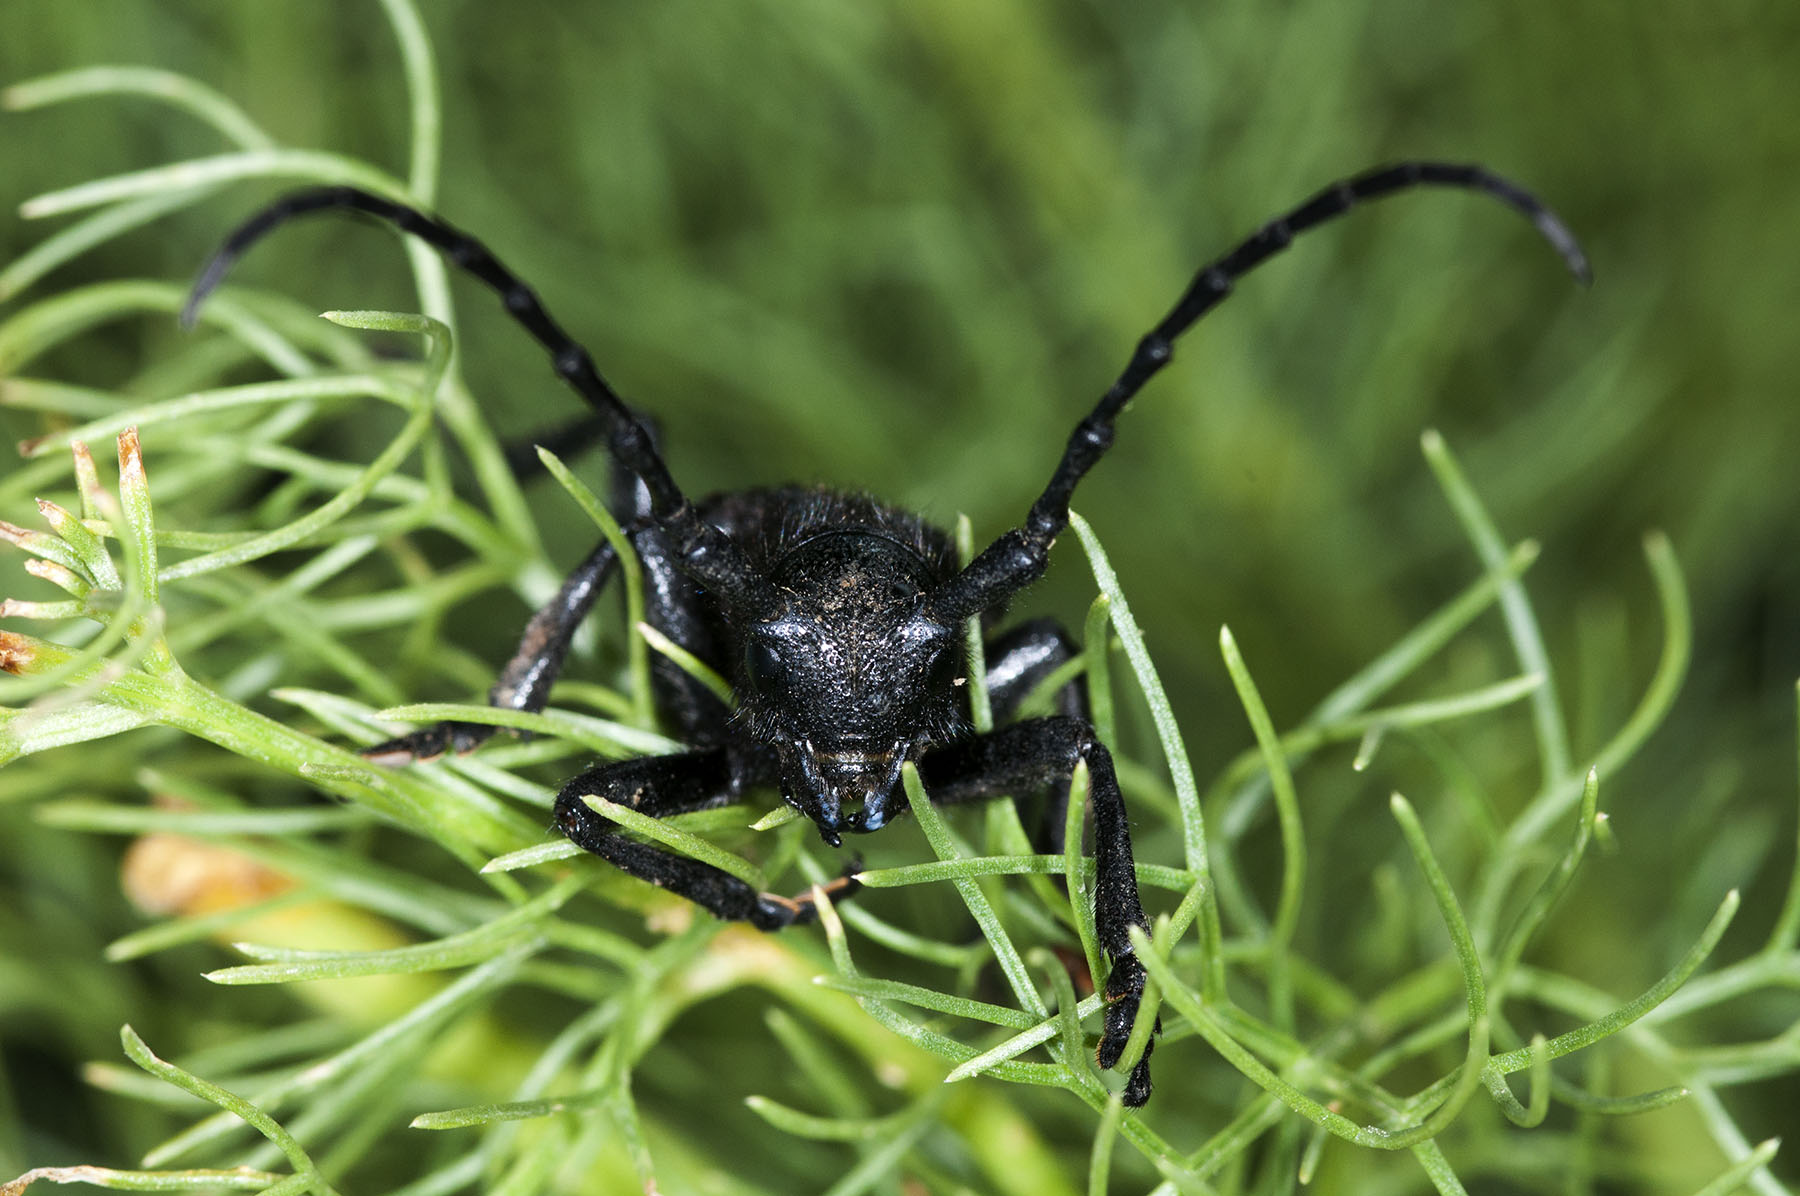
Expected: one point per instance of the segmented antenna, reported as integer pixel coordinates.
(1018, 557)
(707, 553)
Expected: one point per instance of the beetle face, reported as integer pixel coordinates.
(849, 679)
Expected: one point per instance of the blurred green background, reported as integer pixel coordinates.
(903, 246)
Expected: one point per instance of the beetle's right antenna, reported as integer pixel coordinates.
(1018, 557)
(709, 555)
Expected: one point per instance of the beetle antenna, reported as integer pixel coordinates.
(625, 434)
(707, 553)
(1018, 557)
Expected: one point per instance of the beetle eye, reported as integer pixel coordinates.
(763, 666)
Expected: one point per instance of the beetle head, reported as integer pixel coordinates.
(847, 677)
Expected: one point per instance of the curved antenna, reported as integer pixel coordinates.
(624, 434)
(1017, 557)
(709, 555)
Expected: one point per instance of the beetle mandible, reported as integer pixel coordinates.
(838, 618)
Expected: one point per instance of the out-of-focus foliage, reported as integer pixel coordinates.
(902, 247)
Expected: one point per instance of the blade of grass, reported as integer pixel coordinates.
(981, 710)
(177, 90)
(198, 1179)
(636, 647)
(239, 1108)
(1521, 620)
(282, 163)
(1293, 840)
(690, 664)
(423, 106)
(682, 842)
(1181, 772)
(1007, 955)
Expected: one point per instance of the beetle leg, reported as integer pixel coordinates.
(1044, 751)
(1018, 659)
(674, 607)
(671, 605)
(663, 785)
(524, 683)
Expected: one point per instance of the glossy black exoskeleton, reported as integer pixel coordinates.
(839, 619)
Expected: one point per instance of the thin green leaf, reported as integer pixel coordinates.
(1007, 955)
(682, 842)
(176, 90)
(636, 647)
(1521, 620)
(310, 165)
(232, 1104)
(1293, 840)
(690, 664)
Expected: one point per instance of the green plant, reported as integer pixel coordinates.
(515, 1009)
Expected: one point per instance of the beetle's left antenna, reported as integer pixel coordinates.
(710, 556)
(1018, 557)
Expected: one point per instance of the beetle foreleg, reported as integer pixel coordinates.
(524, 684)
(663, 785)
(1045, 751)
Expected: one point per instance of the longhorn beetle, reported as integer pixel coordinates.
(838, 618)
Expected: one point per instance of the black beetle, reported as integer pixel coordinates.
(839, 619)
